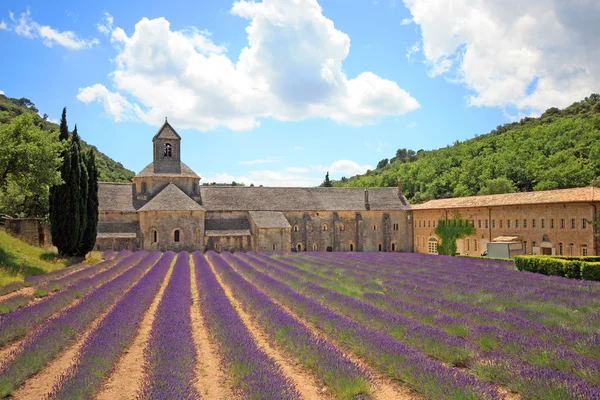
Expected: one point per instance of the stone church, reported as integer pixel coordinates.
(166, 208)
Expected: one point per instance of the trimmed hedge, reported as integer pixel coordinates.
(569, 267)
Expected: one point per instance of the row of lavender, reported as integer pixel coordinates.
(509, 348)
(389, 355)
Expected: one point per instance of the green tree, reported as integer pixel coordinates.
(327, 181)
(28, 167)
(383, 163)
(450, 230)
(91, 227)
(82, 189)
(498, 186)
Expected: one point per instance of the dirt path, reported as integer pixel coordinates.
(304, 381)
(211, 379)
(128, 375)
(39, 385)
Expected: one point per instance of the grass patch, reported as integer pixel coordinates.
(19, 259)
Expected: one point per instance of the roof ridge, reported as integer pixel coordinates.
(115, 183)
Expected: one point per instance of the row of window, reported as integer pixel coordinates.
(177, 235)
(315, 247)
(325, 227)
(509, 223)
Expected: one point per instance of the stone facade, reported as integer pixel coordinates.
(34, 231)
(166, 208)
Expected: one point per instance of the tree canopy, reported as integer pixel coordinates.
(560, 149)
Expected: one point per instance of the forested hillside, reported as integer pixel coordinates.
(109, 170)
(560, 149)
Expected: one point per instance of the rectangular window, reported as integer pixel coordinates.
(479, 224)
(508, 223)
(573, 223)
(429, 224)
(486, 224)
(468, 244)
(584, 223)
(475, 244)
(524, 247)
(584, 251)
(500, 224)
(543, 222)
(524, 224)
(562, 223)
(560, 249)
(552, 223)
(419, 223)
(516, 224)
(533, 223)
(494, 223)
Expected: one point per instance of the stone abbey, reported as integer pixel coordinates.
(166, 208)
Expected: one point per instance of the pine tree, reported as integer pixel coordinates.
(89, 237)
(60, 217)
(327, 181)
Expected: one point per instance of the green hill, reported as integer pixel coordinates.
(109, 170)
(560, 149)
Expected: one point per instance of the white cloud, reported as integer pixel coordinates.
(114, 104)
(297, 170)
(343, 167)
(28, 28)
(105, 25)
(291, 69)
(261, 161)
(1, 91)
(498, 48)
(3, 25)
(406, 21)
(412, 50)
(298, 148)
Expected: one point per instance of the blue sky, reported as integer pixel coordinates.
(280, 91)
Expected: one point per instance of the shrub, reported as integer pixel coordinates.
(569, 267)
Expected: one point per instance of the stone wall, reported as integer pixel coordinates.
(519, 221)
(34, 231)
(189, 223)
(229, 243)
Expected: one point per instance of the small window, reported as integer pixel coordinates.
(494, 223)
(295, 228)
(571, 249)
(533, 244)
(380, 246)
(543, 223)
(573, 223)
(396, 226)
(524, 224)
(418, 241)
(315, 247)
(434, 223)
(154, 236)
(584, 250)
(508, 223)
(479, 224)
(486, 226)
(217, 247)
(524, 247)
(560, 249)
(423, 240)
(429, 224)
(393, 246)
(325, 228)
(533, 223)
(167, 151)
(500, 224)
(375, 227)
(342, 227)
(475, 244)
(552, 223)
(274, 247)
(143, 187)
(351, 247)
(176, 236)
(562, 223)
(516, 224)
(419, 223)
(584, 223)
(468, 244)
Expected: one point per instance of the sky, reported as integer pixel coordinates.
(279, 92)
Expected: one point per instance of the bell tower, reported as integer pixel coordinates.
(167, 150)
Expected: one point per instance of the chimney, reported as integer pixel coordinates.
(399, 188)
(367, 205)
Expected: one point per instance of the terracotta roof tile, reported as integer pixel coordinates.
(575, 195)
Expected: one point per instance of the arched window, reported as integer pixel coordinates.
(375, 227)
(167, 151)
(342, 227)
(154, 236)
(217, 246)
(393, 246)
(295, 228)
(274, 247)
(380, 246)
(176, 235)
(299, 246)
(351, 247)
(433, 243)
(315, 247)
(325, 228)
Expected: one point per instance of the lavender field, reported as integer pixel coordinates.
(153, 325)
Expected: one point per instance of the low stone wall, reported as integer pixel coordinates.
(34, 231)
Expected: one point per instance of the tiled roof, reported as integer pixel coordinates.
(149, 171)
(117, 197)
(227, 232)
(575, 195)
(269, 219)
(116, 235)
(171, 198)
(236, 198)
(166, 131)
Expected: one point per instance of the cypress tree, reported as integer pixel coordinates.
(89, 237)
(60, 218)
(81, 191)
